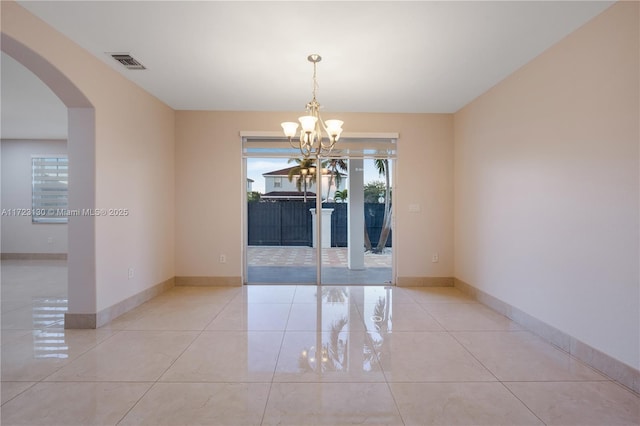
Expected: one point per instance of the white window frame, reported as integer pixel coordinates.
(49, 188)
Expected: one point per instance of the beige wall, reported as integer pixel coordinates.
(546, 186)
(210, 185)
(134, 160)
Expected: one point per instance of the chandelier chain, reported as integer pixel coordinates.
(315, 81)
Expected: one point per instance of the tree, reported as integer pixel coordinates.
(253, 196)
(335, 166)
(383, 169)
(303, 172)
(373, 191)
(340, 196)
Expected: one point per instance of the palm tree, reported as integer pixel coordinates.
(340, 196)
(304, 169)
(383, 170)
(374, 348)
(333, 164)
(335, 294)
(338, 356)
(367, 241)
(331, 356)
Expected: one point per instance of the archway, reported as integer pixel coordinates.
(81, 189)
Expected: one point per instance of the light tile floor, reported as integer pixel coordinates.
(290, 355)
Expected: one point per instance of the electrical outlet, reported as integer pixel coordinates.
(130, 273)
(435, 258)
(223, 258)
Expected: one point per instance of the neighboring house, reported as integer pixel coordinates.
(278, 187)
(250, 185)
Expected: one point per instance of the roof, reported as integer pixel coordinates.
(284, 195)
(281, 172)
(285, 172)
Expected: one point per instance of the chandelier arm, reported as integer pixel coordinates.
(305, 151)
(304, 138)
(319, 129)
(331, 140)
(293, 145)
(305, 147)
(322, 143)
(327, 148)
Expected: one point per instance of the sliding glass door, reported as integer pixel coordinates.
(361, 219)
(319, 221)
(279, 222)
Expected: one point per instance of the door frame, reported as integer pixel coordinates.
(275, 140)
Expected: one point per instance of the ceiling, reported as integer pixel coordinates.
(381, 56)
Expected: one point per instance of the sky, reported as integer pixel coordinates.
(257, 166)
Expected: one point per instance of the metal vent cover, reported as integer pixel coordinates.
(128, 61)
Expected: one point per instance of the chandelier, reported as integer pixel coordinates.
(311, 141)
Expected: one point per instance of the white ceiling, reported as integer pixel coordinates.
(381, 56)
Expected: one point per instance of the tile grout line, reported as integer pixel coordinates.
(496, 377)
(43, 379)
(155, 382)
(275, 367)
(384, 374)
(521, 401)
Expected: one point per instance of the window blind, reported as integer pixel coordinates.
(50, 178)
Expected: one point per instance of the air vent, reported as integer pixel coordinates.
(128, 61)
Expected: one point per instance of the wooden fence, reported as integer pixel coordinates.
(289, 223)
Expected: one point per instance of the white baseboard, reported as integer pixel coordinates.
(424, 282)
(616, 370)
(209, 281)
(33, 256)
(107, 315)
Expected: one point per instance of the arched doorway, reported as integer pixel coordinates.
(81, 187)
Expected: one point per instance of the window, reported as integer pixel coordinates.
(277, 182)
(49, 178)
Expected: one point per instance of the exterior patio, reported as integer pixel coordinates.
(284, 264)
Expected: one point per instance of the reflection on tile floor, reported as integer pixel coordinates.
(296, 265)
(306, 256)
(288, 355)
